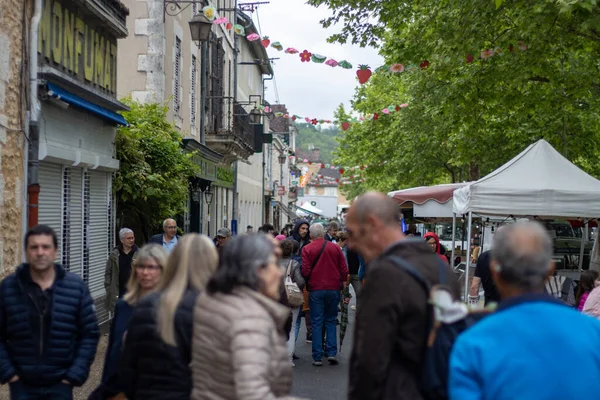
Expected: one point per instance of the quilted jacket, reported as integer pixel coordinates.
(44, 358)
(238, 348)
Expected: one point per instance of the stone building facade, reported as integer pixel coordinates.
(13, 36)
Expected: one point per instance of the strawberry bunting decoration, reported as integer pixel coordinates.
(364, 72)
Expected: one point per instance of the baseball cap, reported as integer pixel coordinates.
(224, 232)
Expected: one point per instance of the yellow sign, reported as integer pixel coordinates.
(304, 180)
(68, 42)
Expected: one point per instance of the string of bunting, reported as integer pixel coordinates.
(345, 124)
(364, 72)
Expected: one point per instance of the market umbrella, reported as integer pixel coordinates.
(344, 320)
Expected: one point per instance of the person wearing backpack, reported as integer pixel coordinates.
(293, 285)
(521, 350)
(393, 320)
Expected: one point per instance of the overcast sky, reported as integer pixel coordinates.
(308, 89)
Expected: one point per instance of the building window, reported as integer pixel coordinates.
(66, 219)
(330, 191)
(177, 77)
(85, 275)
(193, 86)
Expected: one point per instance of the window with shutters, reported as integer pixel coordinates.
(66, 218)
(193, 85)
(217, 65)
(85, 270)
(177, 77)
(330, 191)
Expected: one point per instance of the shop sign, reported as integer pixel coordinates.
(280, 190)
(78, 45)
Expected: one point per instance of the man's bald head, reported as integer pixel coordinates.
(522, 255)
(377, 205)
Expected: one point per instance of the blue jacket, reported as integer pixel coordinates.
(362, 265)
(44, 358)
(533, 347)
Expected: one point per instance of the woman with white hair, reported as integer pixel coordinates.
(118, 268)
(155, 363)
(150, 267)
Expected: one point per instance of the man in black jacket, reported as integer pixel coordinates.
(392, 320)
(48, 326)
(169, 238)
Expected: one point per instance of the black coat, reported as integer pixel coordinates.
(66, 351)
(391, 325)
(151, 369)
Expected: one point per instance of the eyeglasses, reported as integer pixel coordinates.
(149, 267)
(171, 227)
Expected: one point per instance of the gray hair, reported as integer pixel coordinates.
(317, 231)
(523, 255)
(168, 219)
(240, 262)
(124, 232)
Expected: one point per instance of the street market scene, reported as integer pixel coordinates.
(299, 199)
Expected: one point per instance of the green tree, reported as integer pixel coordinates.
(152, 181)
(467, 118)
(317, 136)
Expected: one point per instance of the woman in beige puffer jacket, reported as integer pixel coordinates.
(239, 349)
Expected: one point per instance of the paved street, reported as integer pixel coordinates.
(326, 382)
(310, 382)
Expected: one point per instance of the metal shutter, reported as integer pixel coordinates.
(75, 220)
(50, 201)
(98, 231)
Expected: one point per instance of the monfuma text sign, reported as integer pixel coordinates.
(76, 43)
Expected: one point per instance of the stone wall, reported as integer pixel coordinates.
(12, 137)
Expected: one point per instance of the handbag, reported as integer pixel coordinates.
(294, 294)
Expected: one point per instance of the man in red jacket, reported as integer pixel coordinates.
(325, 270)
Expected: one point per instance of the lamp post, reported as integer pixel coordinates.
(208, 197)
(281, 160)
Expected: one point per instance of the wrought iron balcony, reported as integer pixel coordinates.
(229, 131)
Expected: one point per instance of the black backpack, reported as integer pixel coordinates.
(441, 337)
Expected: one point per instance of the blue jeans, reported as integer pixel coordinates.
(22, 391)
(324, 307)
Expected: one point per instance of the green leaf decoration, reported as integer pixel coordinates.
(345, 64)
(317, 58)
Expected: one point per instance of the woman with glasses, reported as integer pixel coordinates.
(155, 363)
(239, 349)
(146, 275)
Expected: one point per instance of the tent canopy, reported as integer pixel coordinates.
(537, 182)
(428, 201)
(306, 208)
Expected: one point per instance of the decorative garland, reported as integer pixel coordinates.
(364, 72)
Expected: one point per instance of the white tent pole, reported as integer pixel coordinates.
(453, 238)
(468, 266)
(584, 233)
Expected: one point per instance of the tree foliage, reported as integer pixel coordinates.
(152, 182)
(466, 119)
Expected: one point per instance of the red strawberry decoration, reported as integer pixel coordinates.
(397, 108)
(424, 64)
(363, 73)
(322, 166)
(375, 116)
(342, 170)
(228, 26)
(470, 58)
(345, 126)
(266, 41)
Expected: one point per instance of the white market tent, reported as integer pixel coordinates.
(539, 182)
(305, 209)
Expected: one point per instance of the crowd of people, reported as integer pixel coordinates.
(201, 318)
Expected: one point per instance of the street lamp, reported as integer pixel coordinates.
(200, 28)
(282, 158)
(256, 116)
(208, 197)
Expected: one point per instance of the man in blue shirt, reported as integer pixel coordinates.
(169, 238)
(534, 346)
